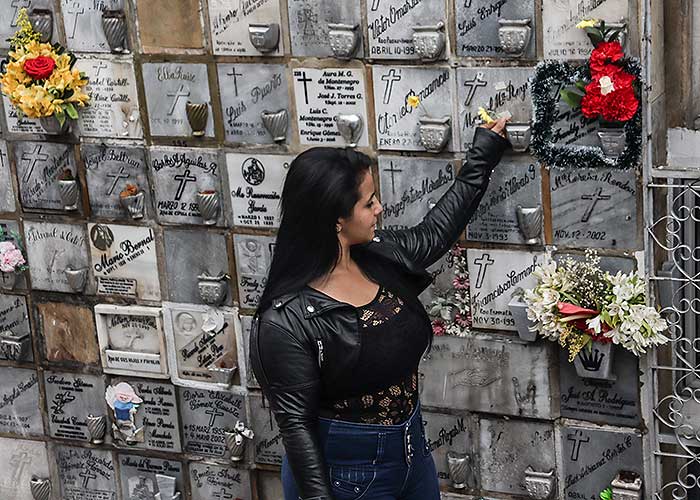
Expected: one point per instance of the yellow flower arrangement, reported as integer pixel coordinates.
(485, 116)
(40, 79)
(587, 23)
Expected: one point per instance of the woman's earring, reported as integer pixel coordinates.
(338, 228)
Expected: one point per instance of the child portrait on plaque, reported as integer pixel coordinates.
(336, 282)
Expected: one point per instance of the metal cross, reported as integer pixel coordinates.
(578, 440)
(472, 85)
(389, 78)
(18, 4)
(99, 67)
(116, 176)
(235, 80)
(304, 80)
(483, 262)
(87, 475)
(33, 157)
(222, 494)
(392, 170)
(20, 461)
(595, 198)
(176, 97)
(184, 179)
(214, 412)
(75, 19)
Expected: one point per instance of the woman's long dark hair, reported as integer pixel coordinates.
(321, 186)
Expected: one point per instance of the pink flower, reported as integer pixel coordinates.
(438, 327)
(463, 321)
(461, 282)
(10, 260)
(6, 246)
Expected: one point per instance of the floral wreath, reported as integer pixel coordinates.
(450, 311)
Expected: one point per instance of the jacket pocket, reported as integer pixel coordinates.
(351, 482)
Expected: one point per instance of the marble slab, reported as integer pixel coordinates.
(25, 459)
(255, 182)
(321, 96)
(68, 333)
(70, 398)
(15, 124)
(82, 22)
(229, 25)
(267, 440)
(108, 169)
(169, 86)
(19, 393)
(9, 11)
(396, 121)
(178, 174)
(51, 249)
(246, 324)
(494, 276)
(594, 207)
(139, 476)
(124, 260)
(451, 433)
(15, 327)
(39, 165)
(248, 90)
(308, 25)
(85, 473)
(7, 197)
(488, 373)
(269, 485)
(214, 482)
(253, 258)
(114, 107)
(570, 126)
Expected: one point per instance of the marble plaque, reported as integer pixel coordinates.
(214, 482)
(15, 330)
(206, 416)
(253, 258)
(114, 108)
(17, 125)
(85, 474)
(489, 373)
(508, 448)
(25, 459)
(267, 440)
(230, 24)
(51, 249)
(570, 126)
(39, 166)
(455, 433)
(124, 260)
(70, 398)
(19, 393)
(248, 90)
(515, 182)
(179, 24)
(269, 485)
(9, 10)
(308, 25)
(178, 175)
(442, 273)
(169, 87)
(139, 476)
(397, 123)
(255, 182)
(82, 21)
(68, 333)
(390, 26)
(477, 27)
(7, 197)
(246, 324)
(184, 263)
(562, 40)
(109, 168)
(494, 89)
(591, 459)
(494, 276)
(594, 207)
(322, 95)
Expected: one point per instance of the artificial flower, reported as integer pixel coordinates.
(485, 116)
(39, 68)
(606, 85)
(605, 53)
(587, 23)
(413, 101)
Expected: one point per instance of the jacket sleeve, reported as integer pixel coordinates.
(289, 376)
(426, 242)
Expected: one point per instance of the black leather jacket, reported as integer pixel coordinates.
(306, 341)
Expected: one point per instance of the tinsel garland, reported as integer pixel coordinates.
(548, 77)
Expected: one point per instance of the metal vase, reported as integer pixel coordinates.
(596, 362)
(42, 22)
(276, 123)
(518, 308)
(514, 35)
(14, 347)
(350, 128)
(235, 444)
(51, 125)
(429, 41)
(622, 35)
(434, 132)
(8, 280)
(134, 204)
(212, 289)
(68, 190)
(114, 27)
(458, 467)
(626, 486)
(197, 116)
(613, 141)
(519, 135)
(40, 488)
(77, 278)
(344, 39)
(209, 207)
(97, 426)
(539, 485)
(264, 37)
(530, 223)
(222, 375)
(166, 487)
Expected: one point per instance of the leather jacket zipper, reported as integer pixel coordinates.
(320, 352)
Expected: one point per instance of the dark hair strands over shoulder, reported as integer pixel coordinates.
(321, 186)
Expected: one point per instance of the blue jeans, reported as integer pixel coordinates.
(374, 462)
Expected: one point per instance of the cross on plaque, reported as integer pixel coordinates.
(578, 441)
(20, 461)
(33, 157)
(116, 176)
(309, 19)
(18, 4)
(392, 170)
(304, 80)
(483, 262)
(99, 67)
(75, 19)
(133, 336)
(184, 179)
(214, 412)
(595, 198)
(472, 86)
(235, 80)
(389, 78)
(176, 97)
(222, 494)
(87, 475)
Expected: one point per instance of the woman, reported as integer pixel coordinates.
(339, 330)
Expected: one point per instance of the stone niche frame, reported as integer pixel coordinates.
(170, 309)
(104, 311)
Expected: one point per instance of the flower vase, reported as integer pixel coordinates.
(627, 485)
(197, 116)
(429, 41)
(518, 308)
(613, 139)
(8, 280)
(343, 39)
(236, 445)
(596, 361)
(458, 466)
(14, 347)
(209, 206)
(264, 37)
(40, 488)
(52, 127)
(114, 28)
(530, 223)
(222, 375)
(350, 128)
(539, 485)
(514, 35)
(42, 22)
(68, 190)
(276, 123)
(519, 135)
(434, 132)
(134, 204)
(77, 278)
(212, 289)
(97, 426)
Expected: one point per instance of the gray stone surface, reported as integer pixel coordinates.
(308, 25)
(229, 26)
(456, 433)
(246, 91)
(7, 197)
(24, 460)
(594, 208)
(138, 475)
(82, 21)
(14, 317)
(85, 474)
(269, 486)
(8, 14)
(19, 393)
(169, 86)
(571, 127)
(215, 482)
(70, 398)
(253, 258)
(268, 440)
(488, 373)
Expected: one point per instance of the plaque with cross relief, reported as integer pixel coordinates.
(253, 259)
(142, 477)
(85, 473)
(82, 22)
(9, 10)
(310, 22)
(24, 459)
(19, 393)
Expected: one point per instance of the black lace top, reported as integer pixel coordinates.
(384, 387)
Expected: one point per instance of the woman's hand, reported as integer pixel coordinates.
(498, 126)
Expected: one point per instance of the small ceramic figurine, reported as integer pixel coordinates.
(124, 401)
